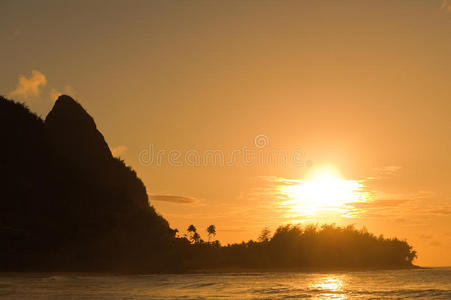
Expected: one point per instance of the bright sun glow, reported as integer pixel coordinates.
(324, 190)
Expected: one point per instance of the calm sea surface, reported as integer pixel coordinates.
(420, 283)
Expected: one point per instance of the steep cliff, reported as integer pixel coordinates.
(66, 203)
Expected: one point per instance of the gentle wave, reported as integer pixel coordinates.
(401, 284)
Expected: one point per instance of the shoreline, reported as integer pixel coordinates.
(299, 269)
(227, 270)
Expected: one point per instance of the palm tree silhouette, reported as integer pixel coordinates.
(192, 233)
(211, 231)
(196, 238)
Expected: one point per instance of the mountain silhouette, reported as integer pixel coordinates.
(74, 134)
(67, 203)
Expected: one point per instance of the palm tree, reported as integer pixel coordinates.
(211, 231)
(196, 238)
(192, 233)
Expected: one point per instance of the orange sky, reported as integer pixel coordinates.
(360, 85)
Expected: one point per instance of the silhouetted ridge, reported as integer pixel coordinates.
(66, 203)
(74, 133)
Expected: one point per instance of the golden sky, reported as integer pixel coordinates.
(361, 88)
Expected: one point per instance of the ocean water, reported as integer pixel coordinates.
(392, 284)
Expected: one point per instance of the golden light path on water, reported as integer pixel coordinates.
(323, 191)
(329, 287)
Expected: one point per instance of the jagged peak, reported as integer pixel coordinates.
(65, 99)
(66, 107)
(74, 132)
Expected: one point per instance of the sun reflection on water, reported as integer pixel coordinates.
(329, 287)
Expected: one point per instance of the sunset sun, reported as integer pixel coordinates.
(324, 190)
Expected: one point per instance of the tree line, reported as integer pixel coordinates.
(296, 246)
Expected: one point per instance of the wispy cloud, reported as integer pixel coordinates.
(383, 204)
(119, 150)
(377, 204)
(443, 211)
(415, 206)
(388, 170)
(173, 199)
(29, 87)
(280, 180)
(446, 5)
(384, 173)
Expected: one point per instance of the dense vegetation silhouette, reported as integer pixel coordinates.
(67, 204)
(293, 246)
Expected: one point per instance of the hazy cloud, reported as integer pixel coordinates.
(385, 172)
(173, 199)
(379, 203)
(29, 87)
(444, 211)
(280, 180)
(119, 150)
(389, 169)
(446, 5)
